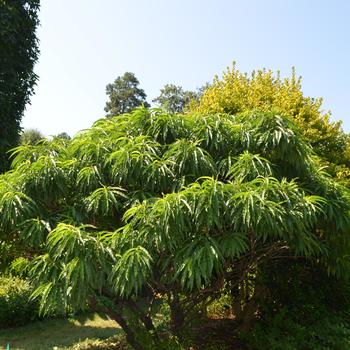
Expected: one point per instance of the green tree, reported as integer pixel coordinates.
(124, 95)
(19, 52)
(63, 135)
(31, 136)
(148, 211)
(174, 99)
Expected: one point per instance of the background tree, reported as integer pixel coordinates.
(31, 136)
(148, 211)
(19, 52)
(174, 99)
(124, 95)
(63, 135)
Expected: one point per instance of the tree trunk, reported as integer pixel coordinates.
(237, 302)
(177, 315)
(144, 317)
(250, 308)
(247, 317)
(130, 336)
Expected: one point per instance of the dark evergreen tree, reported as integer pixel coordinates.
(124, 95)
(18, 54)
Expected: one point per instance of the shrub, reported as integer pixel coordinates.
(304, 309)
(16, 308)
(237, 93)
(97, 344)
(284, 331)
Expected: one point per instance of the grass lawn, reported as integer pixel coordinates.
(59, 333)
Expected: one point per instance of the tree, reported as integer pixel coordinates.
(238, 93)
(124, 95)
(19, 52)
(63, 135)
(31, 137)
(148, 211)
(173, 99)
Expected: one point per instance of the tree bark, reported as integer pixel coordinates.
(250, 308)
(237, 302)
(146, 319)
(176, 314)
(130, 336)
(117, 315)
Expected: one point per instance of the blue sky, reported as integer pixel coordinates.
(86, 44)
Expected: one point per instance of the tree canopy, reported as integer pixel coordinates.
(149, 210)
(239, 93)
(124, 95)
(19, 52)
(174, 99)
(63, 135)
(31, 136)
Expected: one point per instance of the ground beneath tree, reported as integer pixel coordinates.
(217, 334)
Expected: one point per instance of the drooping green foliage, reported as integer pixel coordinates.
(19, 52)
(178, 208)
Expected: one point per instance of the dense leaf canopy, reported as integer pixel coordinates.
(169, 203)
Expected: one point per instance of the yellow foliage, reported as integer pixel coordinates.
(237, 93)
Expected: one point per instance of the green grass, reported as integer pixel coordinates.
(59, 333)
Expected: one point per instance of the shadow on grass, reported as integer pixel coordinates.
(46, 334)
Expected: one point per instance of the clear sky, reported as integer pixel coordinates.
(86, 44)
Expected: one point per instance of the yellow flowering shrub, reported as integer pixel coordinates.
(237, 93)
